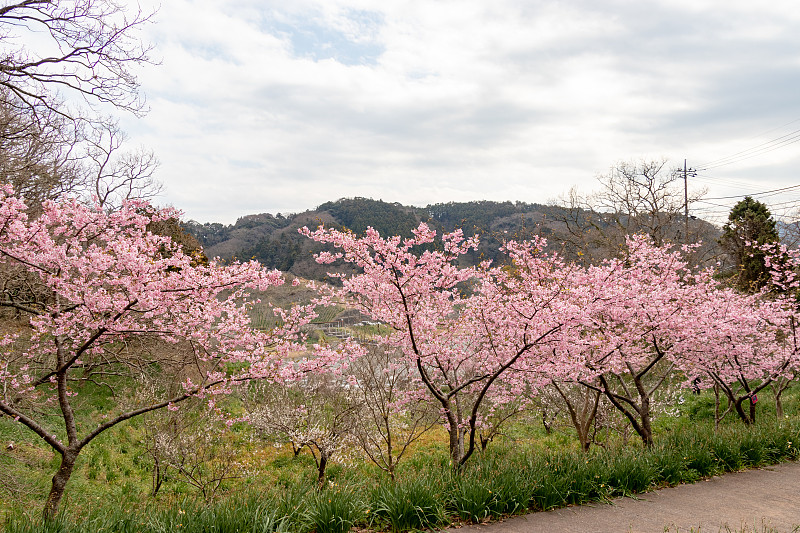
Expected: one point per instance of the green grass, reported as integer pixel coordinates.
(333, 510)
(503, 480)
(527, 471)
(407, 505)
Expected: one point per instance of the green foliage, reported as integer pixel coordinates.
(275, 242)
(210, 233)
(357, 214)
(531, 473)
(279, 252)
(290, 504)
(673, 467)
(334, 510)
(173, 229)
(492, 221)
(235, 515)
(509, 486)
(630, 473)
(409, 505)
(750, 223)
(472, 217)
(473, 502)
(502, 481)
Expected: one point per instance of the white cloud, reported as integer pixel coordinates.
(279, 106)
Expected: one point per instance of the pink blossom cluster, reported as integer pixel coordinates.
(97, 286)
(492, 332)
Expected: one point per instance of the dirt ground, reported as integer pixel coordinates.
(765, 500)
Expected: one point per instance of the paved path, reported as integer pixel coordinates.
(765, 500)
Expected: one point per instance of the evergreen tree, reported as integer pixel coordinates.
(750, 224)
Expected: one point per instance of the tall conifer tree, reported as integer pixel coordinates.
(750, 224)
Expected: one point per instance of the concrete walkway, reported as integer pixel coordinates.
(765, 500)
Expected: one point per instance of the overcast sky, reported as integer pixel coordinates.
(277, 106)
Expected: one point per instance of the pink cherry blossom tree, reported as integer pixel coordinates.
(748, 342)
(742, 346)
(463, 329)
(783, 264)
(100, 300)
(628, 347)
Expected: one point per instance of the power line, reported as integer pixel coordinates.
(763, 148)
(712, 203)
(773, 141)
(724, 181)
(775, 128)
(792, 187)
(789, 203)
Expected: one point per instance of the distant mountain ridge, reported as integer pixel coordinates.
(275, 241)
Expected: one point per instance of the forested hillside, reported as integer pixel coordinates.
(274, 240)
(578, 232)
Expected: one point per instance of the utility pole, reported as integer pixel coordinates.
(686, 173)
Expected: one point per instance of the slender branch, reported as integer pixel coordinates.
(18, 416)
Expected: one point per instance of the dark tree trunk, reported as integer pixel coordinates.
(637, 414)
(321, 466)
(747, 416)
(59, 483)
(297, 449)
(742, 415)
(546, 422)
(582, 416)
(456, 443)
(778, 386)
(157, 475)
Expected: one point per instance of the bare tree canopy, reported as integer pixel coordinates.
(636, 197)
(112, 174)
(39, 151)
(86, 47)
(47, 156)
(51, 51)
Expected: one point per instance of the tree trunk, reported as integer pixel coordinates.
(456, 446)
(321, 466)
(390, 461)
(741, 412)
(547, 428)
(456, 437)
(582, 416)
(637, 415)
(778, 386)
(157, 477)
(642, 425)
(589, 416)
(59, 484)
(647, 429)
